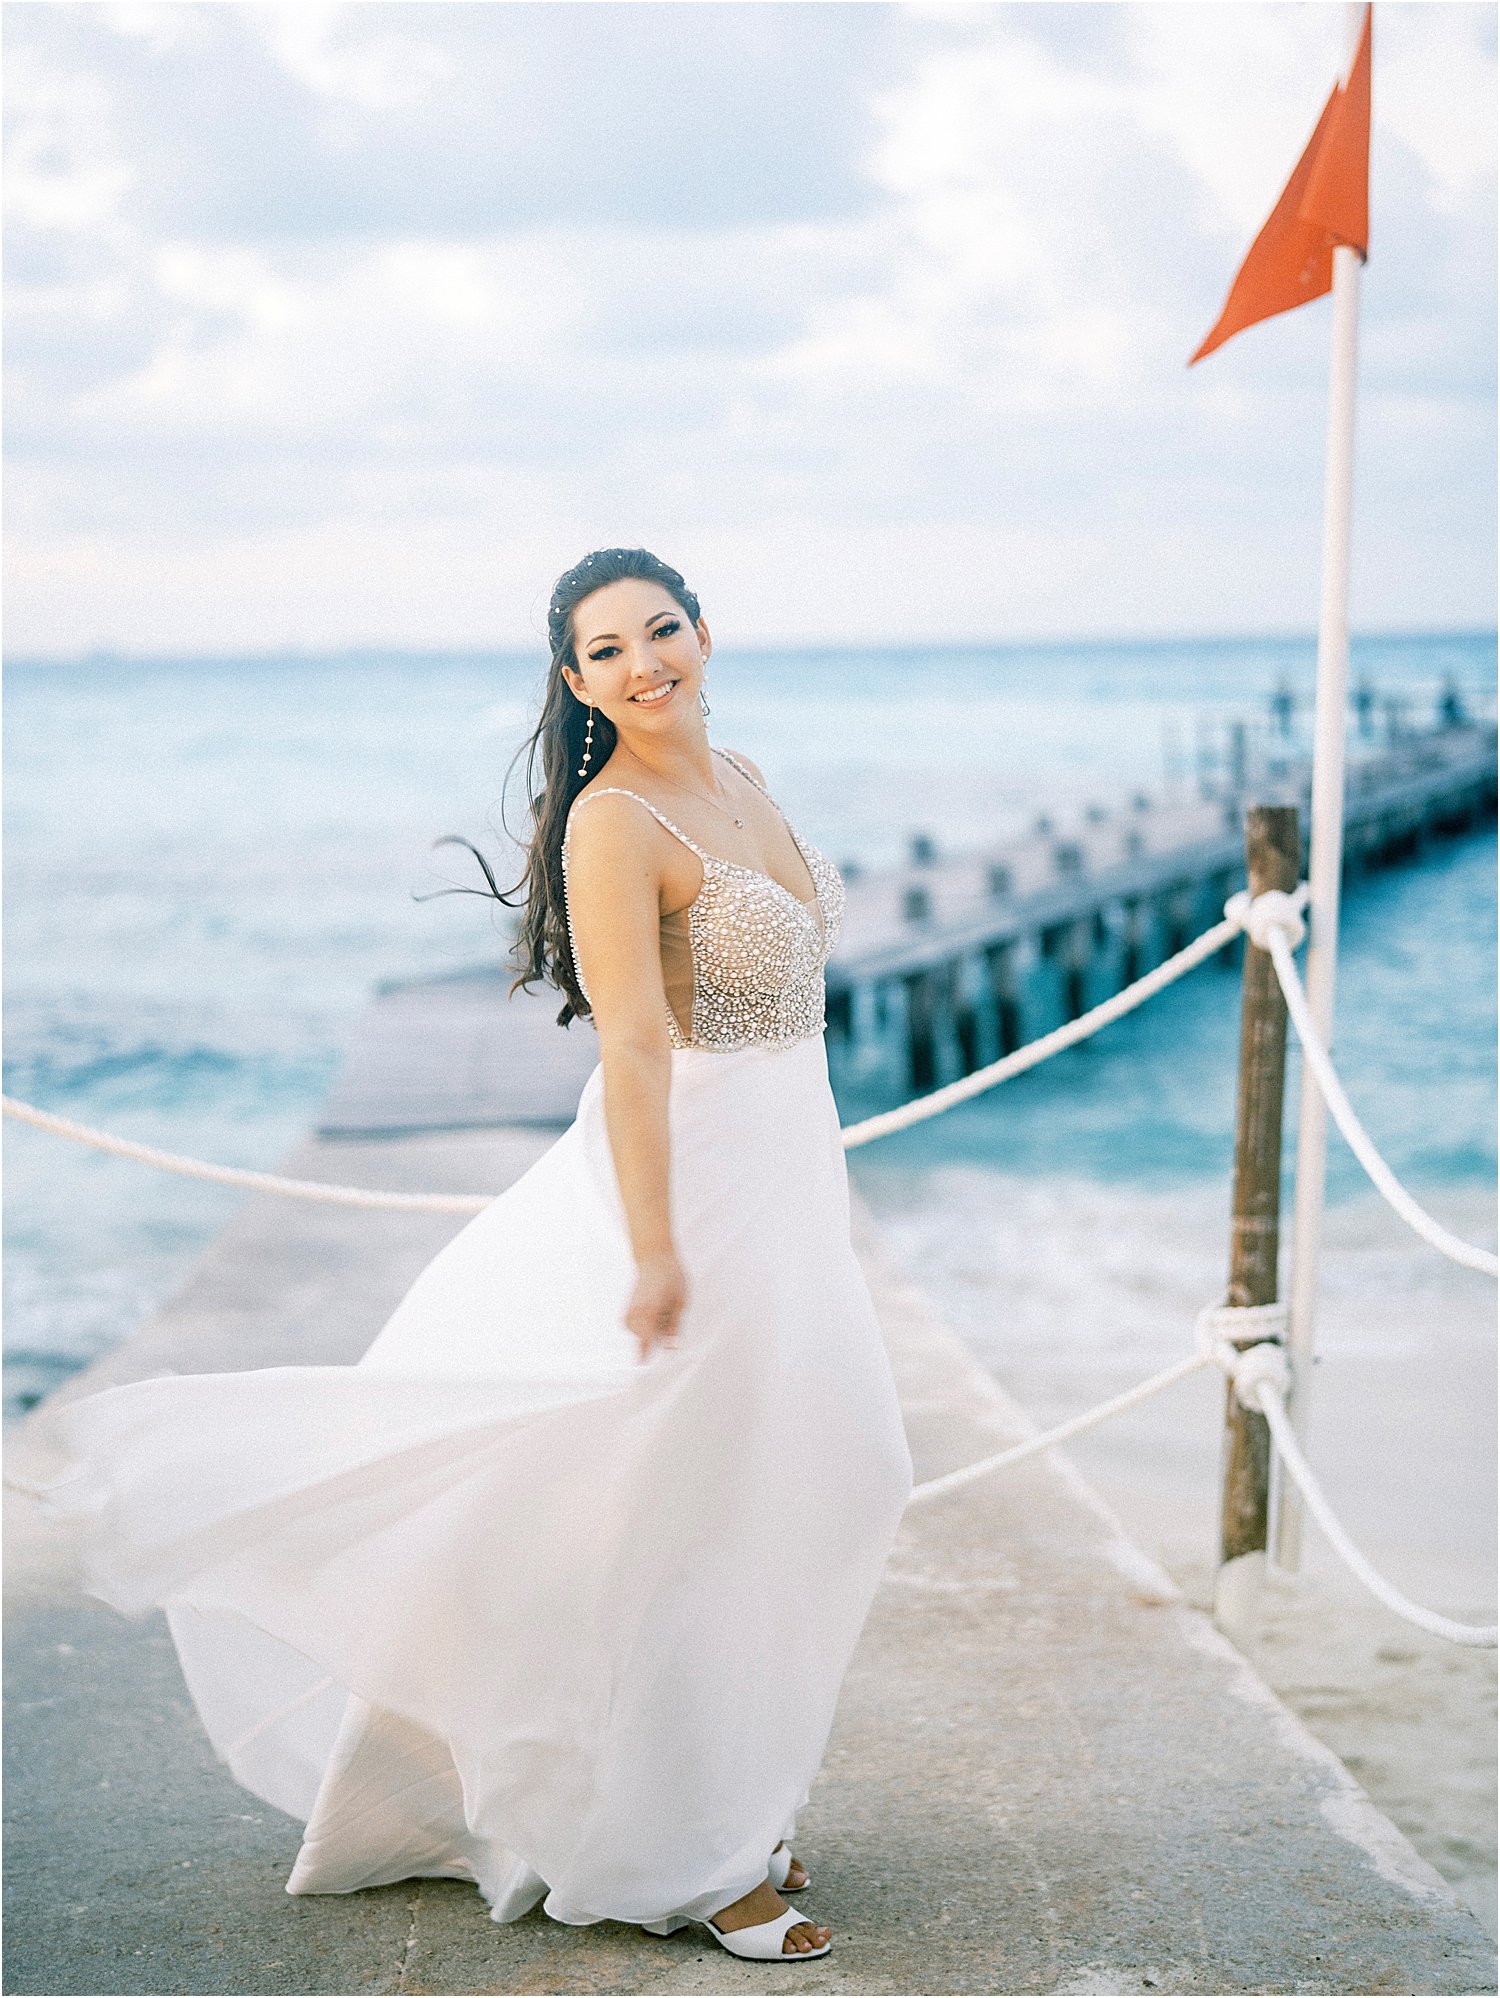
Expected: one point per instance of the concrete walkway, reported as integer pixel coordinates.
(1048, 1772)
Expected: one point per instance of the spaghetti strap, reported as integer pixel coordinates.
(619, 790)
(729, 757)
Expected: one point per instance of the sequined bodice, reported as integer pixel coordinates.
(754, 951)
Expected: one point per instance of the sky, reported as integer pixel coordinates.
(332, 326)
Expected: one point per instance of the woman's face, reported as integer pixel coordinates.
(632, 638)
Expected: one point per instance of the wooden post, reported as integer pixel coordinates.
(1272, 852)
(921, 1030)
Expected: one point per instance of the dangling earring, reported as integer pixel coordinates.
(703, 703)
(588, 742)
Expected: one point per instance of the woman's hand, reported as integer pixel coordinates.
(656, 1303)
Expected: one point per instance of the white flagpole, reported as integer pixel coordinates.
(1325, 860)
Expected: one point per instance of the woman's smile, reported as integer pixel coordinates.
(654, 696)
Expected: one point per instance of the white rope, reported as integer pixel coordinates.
(1261, 1376)
(1002, 1459)
(1268, 1320)
(1269, 1398)
(1261, 1379)
(1072, 1031)
(916, 1111)
(1272, 920)
(1259, 1371)
(1273, 923)
(1218, 1326)
(260, 1182)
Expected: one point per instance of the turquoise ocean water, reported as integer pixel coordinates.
(209, 863)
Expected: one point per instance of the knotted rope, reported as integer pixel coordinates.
(1261, 1378)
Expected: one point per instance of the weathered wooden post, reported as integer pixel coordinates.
(1272, 852)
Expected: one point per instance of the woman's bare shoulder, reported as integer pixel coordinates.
(613, 814)
(754, 768)
(613, 835)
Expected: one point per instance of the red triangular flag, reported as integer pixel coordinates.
(1338, 194)
(1326, 202)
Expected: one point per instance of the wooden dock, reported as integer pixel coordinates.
(954, 960)
(946, 962)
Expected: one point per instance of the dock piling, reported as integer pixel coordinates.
(1272, 851)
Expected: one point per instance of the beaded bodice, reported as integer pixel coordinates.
(752, 953)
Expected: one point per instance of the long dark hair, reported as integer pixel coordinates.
(541, 952)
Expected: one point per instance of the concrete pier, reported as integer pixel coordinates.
(1048, 1772)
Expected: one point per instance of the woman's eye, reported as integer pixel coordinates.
(605, 652)
(666, 630)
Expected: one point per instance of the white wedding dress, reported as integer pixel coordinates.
(503, 1602)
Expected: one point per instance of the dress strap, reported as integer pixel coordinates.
(730, 757)
(619, 790)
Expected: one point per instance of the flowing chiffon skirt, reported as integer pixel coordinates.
(503, 1602)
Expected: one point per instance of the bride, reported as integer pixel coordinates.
(511, 1599)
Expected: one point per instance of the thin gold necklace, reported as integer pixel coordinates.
(684, 792)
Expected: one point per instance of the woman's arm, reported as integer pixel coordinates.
(615, 854)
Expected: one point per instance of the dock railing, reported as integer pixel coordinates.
(1244, 1335)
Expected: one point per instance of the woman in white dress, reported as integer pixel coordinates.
(509, 1600)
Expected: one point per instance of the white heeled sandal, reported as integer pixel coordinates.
(761, 1941)
(781, 1866)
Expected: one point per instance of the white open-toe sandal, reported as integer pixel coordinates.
(761, 1940)
(781, 1866)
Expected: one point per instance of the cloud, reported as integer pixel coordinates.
(1438, 99)
(64, 167)
(324, 48)
(328, 321)
(307, 122)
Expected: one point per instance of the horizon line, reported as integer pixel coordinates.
(295, 653)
